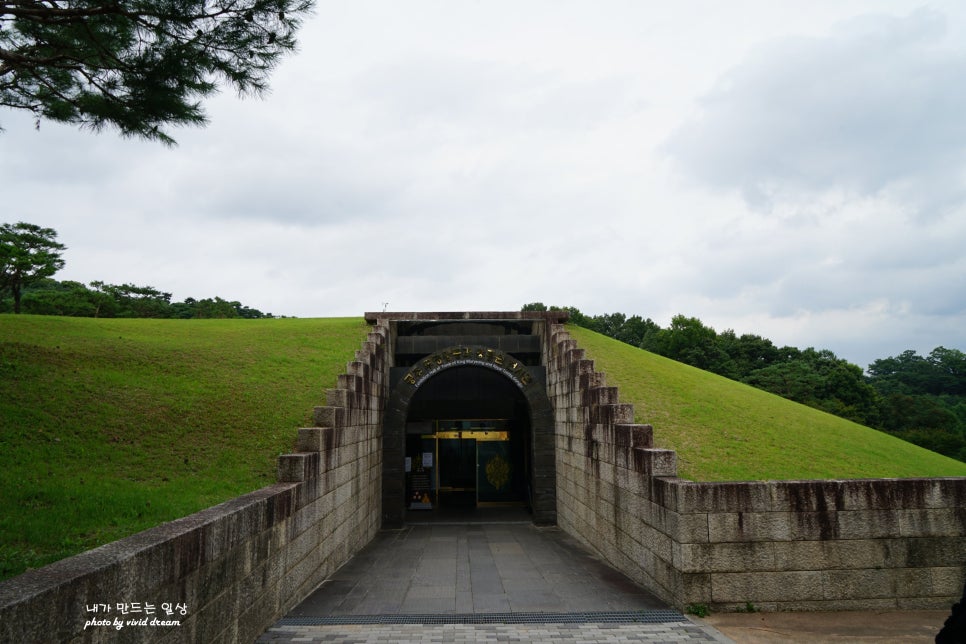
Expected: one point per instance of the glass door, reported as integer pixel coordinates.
(456, 468)
(463, 463)
(495, 472)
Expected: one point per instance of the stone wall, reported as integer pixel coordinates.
(778, 545)
(235, 568)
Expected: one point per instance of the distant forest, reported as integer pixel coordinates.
(921, 399)
(50, 297)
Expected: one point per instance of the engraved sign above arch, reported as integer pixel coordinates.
(465, 356)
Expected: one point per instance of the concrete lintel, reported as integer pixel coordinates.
(555, 317)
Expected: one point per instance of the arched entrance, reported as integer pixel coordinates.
(468, 427)
(467, 442)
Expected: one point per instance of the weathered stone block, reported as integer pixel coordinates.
(751, 526)
(358, 368)
(685, 528)
(628, 435)
(330, 416)
(724, 557)
(929, 493)
(209, 617)
(302, 577)
(815, 525)
(315, 439)
(868, 524)
(836, 554)
(754, 496)
(944, 581)
(298, 467)
(651, 462)
(653, 541)
(690, 588)
(939, 522)
(307, 518)
(866, 584)
(355, 385)
(767, 586)
(928, 603)
(931, 552)
(252, 620)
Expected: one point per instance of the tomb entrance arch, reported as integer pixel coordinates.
(468, 427)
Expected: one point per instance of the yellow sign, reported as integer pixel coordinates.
(475, 435)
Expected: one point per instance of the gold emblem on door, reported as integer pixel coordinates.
(498, 472)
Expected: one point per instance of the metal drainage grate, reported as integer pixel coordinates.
(617, 617)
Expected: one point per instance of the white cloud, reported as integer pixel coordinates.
(873, 109)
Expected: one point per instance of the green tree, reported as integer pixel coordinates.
(820, 379)
(534, 306)
(904, 412)
(688, 340)
(574, 315)
(50, 297)
(609, 324)
(138, 65)
(136, 301)
(907, 372)
(28, 253)
(846, 392)
(746, 353)
(942, 372)
(950, 369)
(634, 329)
(795, 380)
(216, 308)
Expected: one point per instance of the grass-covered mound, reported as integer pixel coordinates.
(111, 426)
(723, 430)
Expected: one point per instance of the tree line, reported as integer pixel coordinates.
(30, 255)
(52, 297)
(921, 399)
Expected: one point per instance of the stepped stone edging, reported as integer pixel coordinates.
(780, 545)
(238, 566)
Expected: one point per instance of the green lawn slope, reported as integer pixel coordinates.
(723, 430)
(110, 426)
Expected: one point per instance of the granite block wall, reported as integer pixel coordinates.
(779, 545)
(225, 574)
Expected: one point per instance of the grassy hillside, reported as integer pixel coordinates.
(108, 427)
(724, 430)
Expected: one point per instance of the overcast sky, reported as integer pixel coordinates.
(793, 170)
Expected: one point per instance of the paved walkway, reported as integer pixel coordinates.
(489, 582)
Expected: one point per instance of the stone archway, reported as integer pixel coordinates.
(531, 383)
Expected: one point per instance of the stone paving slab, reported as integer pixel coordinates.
(503, 582)
(474, 568)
